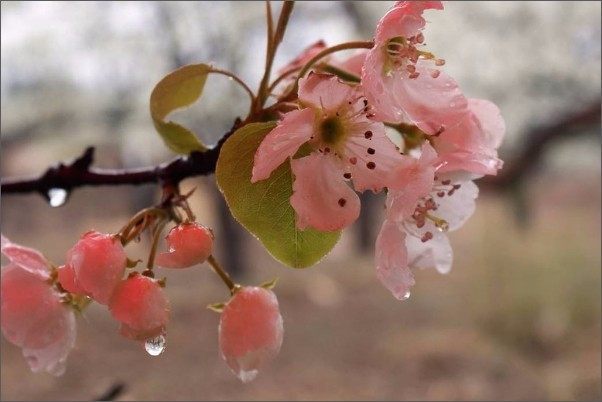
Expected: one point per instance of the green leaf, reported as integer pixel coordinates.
(178, 89)
(263, 208)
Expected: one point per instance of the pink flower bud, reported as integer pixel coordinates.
(189, 244)
(141, 305)
(97, 263)
(250, 331)
(34, 319)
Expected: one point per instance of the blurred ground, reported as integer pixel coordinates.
(517, 318)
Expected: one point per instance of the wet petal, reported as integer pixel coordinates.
(458, 207)
(404, 19)
(374, 157)
(325, 91)
(434, 253)
(27, 258)
(189, 244)
(391, 260)
(321, 198)
(68, 280)
(295, 129)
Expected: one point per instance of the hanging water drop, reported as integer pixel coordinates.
(442, 225)
(155, 346)
(57, 197)
(406, 295)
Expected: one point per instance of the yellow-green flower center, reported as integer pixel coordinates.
(332, 131)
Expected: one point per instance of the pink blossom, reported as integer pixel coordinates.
(419, 212)
(140, 304)
(345, 144)
(94, 266)
(250, 331)
(26, 258)
(401, 81)
(472, 145)
(189, 244)
(33, 315)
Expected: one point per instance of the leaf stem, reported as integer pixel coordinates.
(155, 242)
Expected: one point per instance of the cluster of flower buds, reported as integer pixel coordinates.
(442, 142)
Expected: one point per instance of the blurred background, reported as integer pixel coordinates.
(517, 318)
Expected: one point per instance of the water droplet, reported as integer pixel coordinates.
(58, 369)
(57, 197)
(442, 225)
(155, 346)
(247, 376)
(406, 295)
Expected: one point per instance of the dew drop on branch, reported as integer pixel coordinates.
(57, 197)
(155, 346)
(406, 296)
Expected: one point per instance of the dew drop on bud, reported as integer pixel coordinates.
(57, 197)
(155, 346)
(406, 295)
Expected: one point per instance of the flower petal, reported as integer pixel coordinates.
(404, 19)
(189, 244)
(458, 207)
(391, 260)
(374, 155)
(69, 281)
(414, 180)
(434, 253)
(295, 129)
(325, 91)
(321, 198)
(27, 258)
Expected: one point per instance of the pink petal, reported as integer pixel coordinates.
(434, 253)
(458, 207)
(68, 280)
(295, 129)
(98, 261)
(353, 64)
(141, 305)
(325, 91)
(414, 180)
(189, 244)
(250, 331)
(375, 156)
(404, 19)
(321, 198)
(27, 258)
(472, 145)
(391, 260)
(34, 318)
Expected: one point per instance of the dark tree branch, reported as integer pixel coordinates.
(79, 173)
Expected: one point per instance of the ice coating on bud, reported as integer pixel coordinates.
(26, 258)
(189, 244)
(141, 305)
(97, 262)
(250, 331)
(34, 319)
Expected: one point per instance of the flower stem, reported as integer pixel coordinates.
(325, 52)
(222, 274)
(124, 232)
(155, 242)
(273, 42)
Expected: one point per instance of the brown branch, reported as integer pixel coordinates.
(79, 173)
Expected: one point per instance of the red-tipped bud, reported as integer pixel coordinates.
(250, 331)
(94, 266)
(189, 244)
(141, 305)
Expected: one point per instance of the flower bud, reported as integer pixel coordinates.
(141, 305)
(250, 331)
(34, 319)
(94, 266)
(189, 244)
